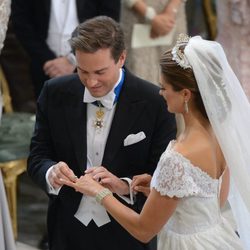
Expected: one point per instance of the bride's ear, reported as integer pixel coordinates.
(186, 94)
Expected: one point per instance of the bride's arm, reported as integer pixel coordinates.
(144, 226)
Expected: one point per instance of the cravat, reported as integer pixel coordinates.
(108, 101)
(97, 103)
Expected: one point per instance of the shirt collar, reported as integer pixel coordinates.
(107, 100)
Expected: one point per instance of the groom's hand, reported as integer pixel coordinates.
(108, 180)
(60, 171)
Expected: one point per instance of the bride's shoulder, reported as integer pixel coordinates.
(199, 150)
(181, 170)
(194, 143)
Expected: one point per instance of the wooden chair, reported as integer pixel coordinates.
(15, 133)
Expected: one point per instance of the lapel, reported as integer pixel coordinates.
(75, 116)
(128, 109)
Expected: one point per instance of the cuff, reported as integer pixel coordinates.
(150, 14)
(130, 199)
(50, 188)
(130, 3)
(71, 58)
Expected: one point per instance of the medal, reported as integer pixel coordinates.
(99, 122)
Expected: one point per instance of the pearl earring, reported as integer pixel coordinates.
(186, 106)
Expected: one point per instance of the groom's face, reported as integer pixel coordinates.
(98, 71)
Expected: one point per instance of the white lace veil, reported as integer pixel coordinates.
(228, 110)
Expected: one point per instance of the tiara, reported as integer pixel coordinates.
(178, 55)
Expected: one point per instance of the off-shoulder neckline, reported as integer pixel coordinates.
(171, 149)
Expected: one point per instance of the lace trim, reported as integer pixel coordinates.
(176, 176)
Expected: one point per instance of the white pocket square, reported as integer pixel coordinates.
(134, 138)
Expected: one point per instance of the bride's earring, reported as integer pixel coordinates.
(186, 106)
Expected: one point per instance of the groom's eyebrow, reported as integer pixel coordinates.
(96, 71)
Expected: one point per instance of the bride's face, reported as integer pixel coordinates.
(173, 98)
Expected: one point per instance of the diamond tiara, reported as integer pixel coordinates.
(178, 54)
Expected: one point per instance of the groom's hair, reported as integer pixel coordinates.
(100, 32)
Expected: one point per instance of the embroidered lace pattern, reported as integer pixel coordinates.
(176, 176)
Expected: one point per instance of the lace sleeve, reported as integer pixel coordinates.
(175, 176)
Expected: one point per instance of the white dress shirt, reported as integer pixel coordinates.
(63, 21)
(89, 209)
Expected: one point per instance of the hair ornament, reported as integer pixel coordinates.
(178, 54)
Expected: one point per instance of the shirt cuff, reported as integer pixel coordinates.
(50, 188)
(130, 3)
(71, 58)
(129, 200)
(150, 14)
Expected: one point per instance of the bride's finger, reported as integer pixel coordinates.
(68, 183)
(90, 170)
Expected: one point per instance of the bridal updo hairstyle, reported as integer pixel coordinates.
(180, 78)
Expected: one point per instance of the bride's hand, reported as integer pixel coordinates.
(141, 183)
(85, 184)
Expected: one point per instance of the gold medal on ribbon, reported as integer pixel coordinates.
(99, 122)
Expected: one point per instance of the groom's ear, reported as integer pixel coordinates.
(122, 58)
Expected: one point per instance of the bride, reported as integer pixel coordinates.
(191, 181)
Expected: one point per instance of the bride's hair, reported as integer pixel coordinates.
(180, 78)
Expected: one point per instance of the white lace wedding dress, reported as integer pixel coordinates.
(197, 222)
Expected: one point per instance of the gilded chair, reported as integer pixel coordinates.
(210, 17)
(15, 133)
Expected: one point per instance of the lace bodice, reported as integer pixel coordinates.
(198, 208)
(196, 222)
(176, 176)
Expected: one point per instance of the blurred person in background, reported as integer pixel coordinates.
(164, 17)
(44, 28)
(233, 25)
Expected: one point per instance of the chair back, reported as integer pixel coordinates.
(210, 18)
(5, 93)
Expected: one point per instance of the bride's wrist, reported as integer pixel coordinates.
(101, 194)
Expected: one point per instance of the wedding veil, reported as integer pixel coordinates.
(228, 110)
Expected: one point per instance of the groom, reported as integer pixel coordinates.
(101, 116)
